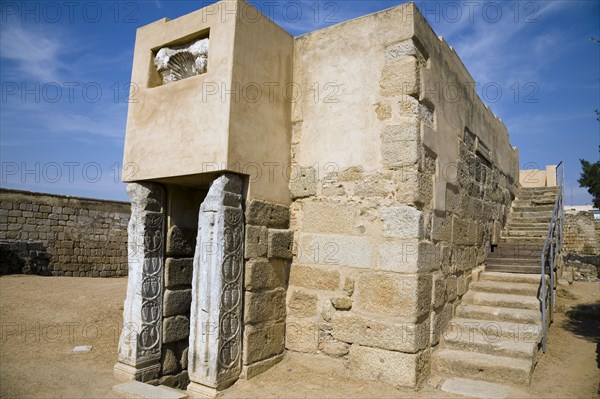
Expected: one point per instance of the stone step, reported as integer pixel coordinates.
(502, 300)
(498, 259)
(514, 278)
(537, 196)
(494, 329)
(502, 245)
(524, 240)
(519, 269)
(545, 221)
(553, 189)
(526, 215)
(483, 366)
(528, 226)
(499, 287)
(534, 201)
(496, 313)
(536, 208)
(519, 257)
(525, 233)
(491, 345)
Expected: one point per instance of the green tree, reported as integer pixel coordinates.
(590, 178)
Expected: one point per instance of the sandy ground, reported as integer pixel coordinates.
(43, 318)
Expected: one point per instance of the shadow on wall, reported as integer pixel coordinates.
(584, 321)
(24, 257)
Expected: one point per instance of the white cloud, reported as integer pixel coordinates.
(37, 52)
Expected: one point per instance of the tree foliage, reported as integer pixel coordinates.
(590, 178)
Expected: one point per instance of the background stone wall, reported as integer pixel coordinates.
(83, 237)
(582, 234)
(582, 246)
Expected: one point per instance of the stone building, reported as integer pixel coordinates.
(330, 193)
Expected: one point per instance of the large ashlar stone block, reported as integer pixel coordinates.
(400, 144)
(263, 274)
(451, 287)
(180, 241)
(263, 342)
(256, 241)
(396, 368)
(314, 277)
(324, 217)
(303, 182)
(140, 340)
(264, 306)
(394, 295)
(331, 250)
(407, 256)
(439, 322)
(215, 351)
(175, 329)
(402, 49)
(280, 243)
(302, 304)
(402, 222)
(267, 214)
(412, 187)
(302, 335)
(460, 231)
(441, 228)
(439, 290)
(380, 332)
(400, 77)
(178, 272)
(176, 302)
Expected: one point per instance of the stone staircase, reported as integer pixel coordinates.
(496, 332)
(522, 241)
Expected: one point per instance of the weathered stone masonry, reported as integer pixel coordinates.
(84, 237)
(388, 231)
(396, 193)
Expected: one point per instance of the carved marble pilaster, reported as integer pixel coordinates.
(140, 340)
(215, 352)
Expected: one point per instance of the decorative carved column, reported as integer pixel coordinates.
(215, 352)
(140, 341)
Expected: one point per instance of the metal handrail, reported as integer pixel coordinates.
(550, 252)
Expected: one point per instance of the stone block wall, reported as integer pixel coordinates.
(582, 234)
(581, 253)
(182, 207)
(398, 192)
(84, 237)
(267, 253)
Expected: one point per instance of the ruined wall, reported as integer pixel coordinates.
(581, 254)
(582, 234)
(397, 191)
(84, 237)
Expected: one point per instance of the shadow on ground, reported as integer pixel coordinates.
(584, 321)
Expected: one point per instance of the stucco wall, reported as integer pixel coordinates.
(84, 237)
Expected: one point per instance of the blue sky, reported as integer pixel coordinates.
(65, 68)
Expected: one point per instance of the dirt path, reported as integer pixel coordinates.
(43, 318)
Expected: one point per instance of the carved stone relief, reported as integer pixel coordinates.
(216, 313)
(182, 62)
(140, 341)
